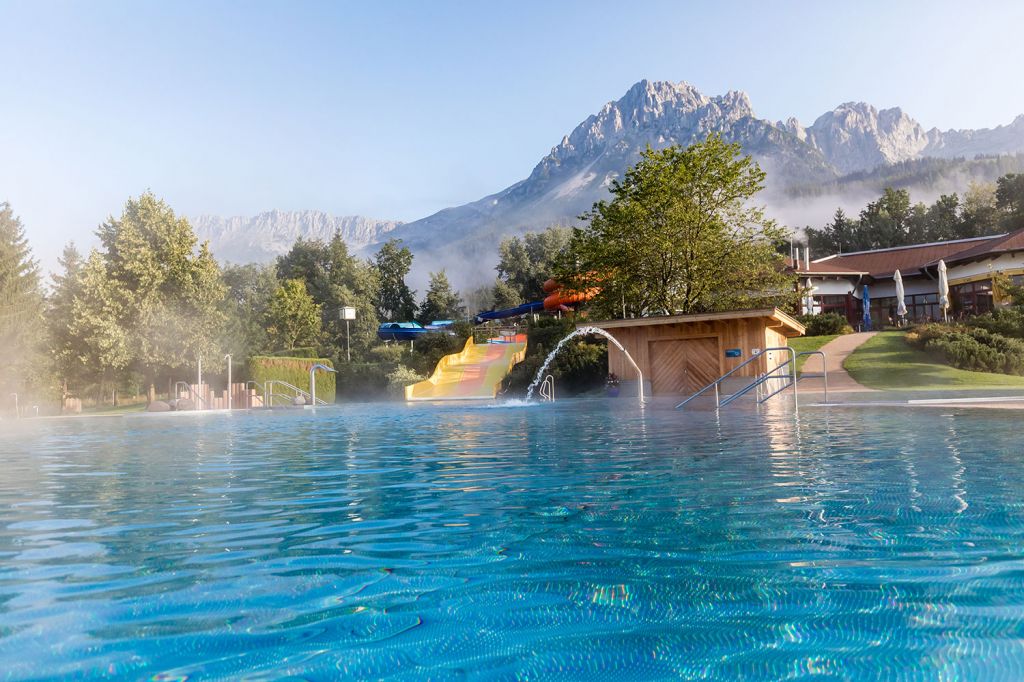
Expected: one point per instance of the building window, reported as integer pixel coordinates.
(973, 298)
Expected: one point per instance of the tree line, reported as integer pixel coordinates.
(679, 233)
(149, 301)
(894, 220)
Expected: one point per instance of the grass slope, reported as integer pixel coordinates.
(802, 344)
(887, 362)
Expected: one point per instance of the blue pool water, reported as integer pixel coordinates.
(583, 540)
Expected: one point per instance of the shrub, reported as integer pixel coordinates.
(399, 378)
(1004, 321)
(825, 324)
(363, 380)
(970, 348)
(295, 371)
(581, 366)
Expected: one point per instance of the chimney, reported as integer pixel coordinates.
(807, 257)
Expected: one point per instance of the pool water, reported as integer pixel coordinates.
(579, 540)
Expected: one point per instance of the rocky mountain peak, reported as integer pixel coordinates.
(857, 136)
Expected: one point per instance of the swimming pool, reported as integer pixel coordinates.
(579, 540)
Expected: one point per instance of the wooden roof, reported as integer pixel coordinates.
(786, 323)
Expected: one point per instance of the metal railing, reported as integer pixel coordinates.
(298, 391)
(758, 381)
(196, 398)
(824, 370)
(547, 389)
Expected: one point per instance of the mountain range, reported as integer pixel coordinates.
(263, 237)
(854, 139)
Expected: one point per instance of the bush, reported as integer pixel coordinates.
(975, 349)
(581, 365)
(295, 371)
(363, 380)
(825, 324)
(399, 378)
(1003, 321)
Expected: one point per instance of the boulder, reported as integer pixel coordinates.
(158, 406)
(299, 401)
(182, 404)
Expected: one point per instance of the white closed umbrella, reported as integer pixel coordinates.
(901, 305)
(943, 289)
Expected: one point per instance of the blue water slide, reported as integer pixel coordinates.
(526, 308)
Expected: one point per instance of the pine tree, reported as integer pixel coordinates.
(21, 302)
(64, 347)
(441, 302)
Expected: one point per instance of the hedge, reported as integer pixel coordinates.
(294, 370)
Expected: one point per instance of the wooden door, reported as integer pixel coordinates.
(683, 366)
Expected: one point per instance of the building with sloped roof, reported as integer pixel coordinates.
(835, 283)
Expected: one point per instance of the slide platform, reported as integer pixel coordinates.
(475, 373)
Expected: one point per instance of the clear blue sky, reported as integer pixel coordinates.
(398, 109)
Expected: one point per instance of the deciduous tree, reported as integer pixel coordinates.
(395, 301)
(293, 319)
(680, 235)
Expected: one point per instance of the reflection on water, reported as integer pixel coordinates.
(575, 540)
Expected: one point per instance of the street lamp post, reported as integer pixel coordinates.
(348, 313)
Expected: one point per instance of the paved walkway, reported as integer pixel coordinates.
(836, 352)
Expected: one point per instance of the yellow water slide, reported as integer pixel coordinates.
(473, 373)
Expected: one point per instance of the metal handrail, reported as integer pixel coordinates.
(547, 388)
(195, 396)
(298, 391)
(263, 388)
(824, 369)
(715, 384)
(758, 381)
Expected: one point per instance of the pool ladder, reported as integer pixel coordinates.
(784, 371)
(547, 389)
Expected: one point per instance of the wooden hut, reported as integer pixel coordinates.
(680, 354)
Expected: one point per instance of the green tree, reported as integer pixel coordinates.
(396, 301)
(525, 263)
(334, 278)
(441, 302)
(680, 235)
(21, 306)
(102, 345)
(167, 294)
(293, 319)
(886, 222)
(504, 295)
(837, 236)
(1010, 199)
(64, 346)
(246, 305)
(979, 215)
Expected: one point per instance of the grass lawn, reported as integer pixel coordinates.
(120, 409)
(886, 361)
(805, 343)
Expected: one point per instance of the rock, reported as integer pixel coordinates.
(298, 401)
(183, 404)
(158, 406)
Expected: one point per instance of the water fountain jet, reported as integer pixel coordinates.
(585, 331)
